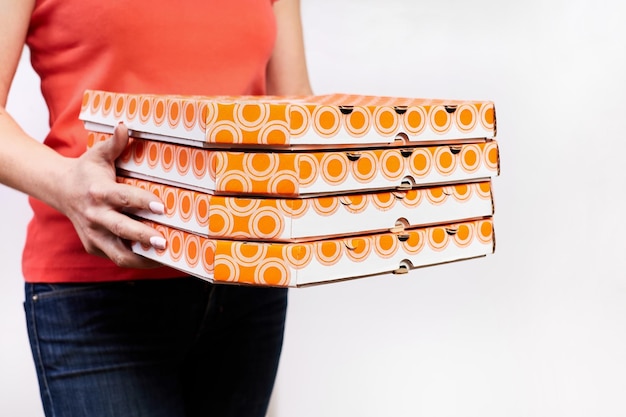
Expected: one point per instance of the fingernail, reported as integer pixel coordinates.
(157, 207)
(158, 242)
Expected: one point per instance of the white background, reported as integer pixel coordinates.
(539, 328)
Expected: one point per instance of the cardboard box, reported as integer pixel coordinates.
(330, 120)
(301, 264)
(291, 220)
(304, 173)
(297, 191)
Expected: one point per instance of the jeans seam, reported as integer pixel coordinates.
(42, 370)
(206, 316)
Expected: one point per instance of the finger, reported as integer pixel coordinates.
(129, 229)
(126, 196)
(121, 255)
(112, 148)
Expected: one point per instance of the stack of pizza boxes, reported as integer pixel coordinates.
(293, 191)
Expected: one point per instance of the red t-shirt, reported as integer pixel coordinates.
(195, 47)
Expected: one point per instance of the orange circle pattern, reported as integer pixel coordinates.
(95, 137)
(286, 174)
(387, 120)
(334, 167)
(249, 120)
(267, 219)
(283, 174)
(274, 264)
(358, 249)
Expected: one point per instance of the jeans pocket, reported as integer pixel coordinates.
(40, 291)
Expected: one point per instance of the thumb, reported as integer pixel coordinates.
(112, 148)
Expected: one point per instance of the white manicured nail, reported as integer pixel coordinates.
(158, 242)
(156, 207)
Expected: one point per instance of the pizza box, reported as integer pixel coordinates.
(303, 172)
(306, 219)
(329, 260)
(335, 120)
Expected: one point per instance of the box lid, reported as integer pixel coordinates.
(299, 264)
(306, 173)
(326, 120)
(314, 218)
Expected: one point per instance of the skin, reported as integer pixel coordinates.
(84, 189)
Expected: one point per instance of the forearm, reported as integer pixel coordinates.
(83, 189)
(29, 166)
(287, 72)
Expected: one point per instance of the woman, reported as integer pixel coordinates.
(112, 334)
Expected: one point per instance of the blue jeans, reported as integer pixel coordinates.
(171, 348)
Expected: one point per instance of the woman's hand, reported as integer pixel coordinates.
(84, 189)
(94, 202)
